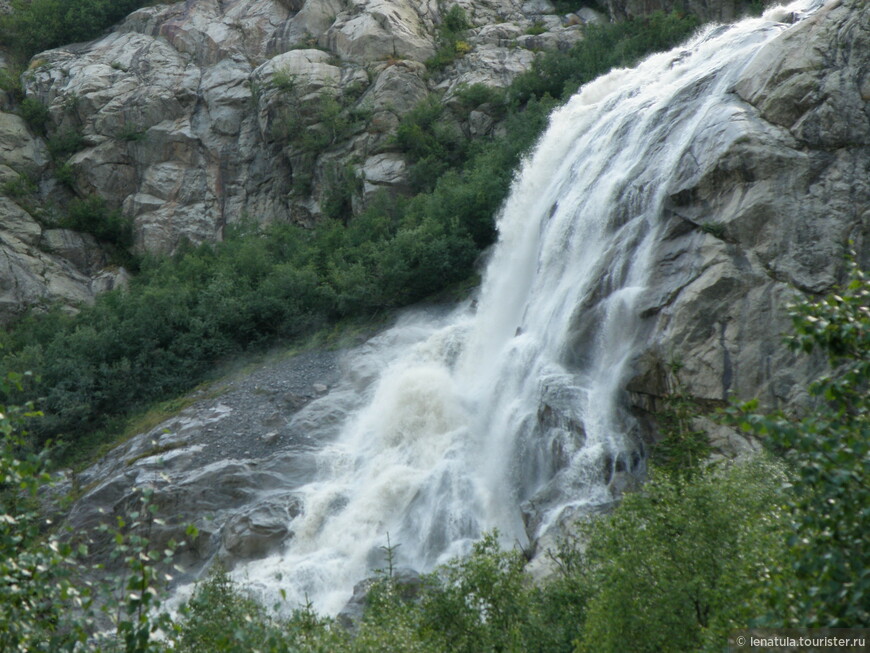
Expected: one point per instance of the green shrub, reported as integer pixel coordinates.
(62, 144)
(452, 30)
(36, 25)
(10, 82)
(48, 594)
(35, 114)
(132, 133)
(340, 184)
(825, 579)
(603, 47)
(21, 186)
(91, 215)
(679, 565)
(315, 124)
(682, 449)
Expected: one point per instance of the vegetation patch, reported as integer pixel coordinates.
(36, 25)
(183, 315)
(450, 41)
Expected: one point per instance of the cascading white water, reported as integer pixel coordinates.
(507, 415)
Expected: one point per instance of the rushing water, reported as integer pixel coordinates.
(508, 411)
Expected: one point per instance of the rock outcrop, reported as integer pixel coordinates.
(194, 115)
(40, 265)
(763, 209)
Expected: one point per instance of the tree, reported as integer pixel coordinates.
(826, 581)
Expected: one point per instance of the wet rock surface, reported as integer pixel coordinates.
(228, 463)
(761, 212)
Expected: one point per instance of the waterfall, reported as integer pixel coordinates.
(508, 411)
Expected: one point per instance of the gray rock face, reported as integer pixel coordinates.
(229, 464)
(195, 115)
(39, 267)
(181, 108)
(763, 209)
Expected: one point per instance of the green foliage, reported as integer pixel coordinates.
(682, 448)
(715, 230)
(432, 144)
(131, 599)
(35, 114)
(678, 566)
(340, 184)
(312, 125)
(479, 603)
(48, 602)
(62, 144)
(476, 95)
(65, 174)
(21, 186)
(536, 28)
(36, 25)
(10, 82)
(284, 81)
(603, 47)
(132, 134)
(220, 617)
(450, 34)
(91, 215)
(35, 570)
(826, 579)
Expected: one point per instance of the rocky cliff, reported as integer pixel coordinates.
(763, 206)
(191, 116)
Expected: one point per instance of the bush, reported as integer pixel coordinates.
(62, 144)
(677, 566)
(825, 579)
(91, 215)
(48, 596)
(37, 25)
(450, 34)
(603, 47)
(35, 114)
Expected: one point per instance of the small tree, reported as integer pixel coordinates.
(826, 581)
(37, 595)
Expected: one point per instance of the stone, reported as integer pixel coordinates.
(80, 249)
(259, 529)
(40, 267)
(380, 30)
(19, 149)
(589, 16)
(309, 24)
(17, 223)
(384, 170)
(538, 7)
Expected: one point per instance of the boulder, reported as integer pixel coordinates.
(381, 29)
